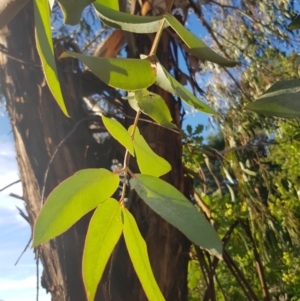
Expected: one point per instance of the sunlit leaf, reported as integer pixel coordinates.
(9, 9)
(113, 4)
(45, 49)
(175, 208)
(295, 24)
(167, 82)
(103, 234)
(73, 9)
(137, 250)
(281, 100)
(132, 23)
(198, 48)
(154, 106)
(71, 200)
(121, 73)
(148, 161)
(117, 130)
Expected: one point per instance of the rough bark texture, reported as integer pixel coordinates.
(39, 127)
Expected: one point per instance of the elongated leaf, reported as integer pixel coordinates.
(117, 130)
(137, 250)
(148, 161)
(175, 208)
(72, 10)
(45, 49)
(125, 74)
(71, 200)
(295, 24)
(128, 22)
(9, 9)
(113, 4)
(166, 81)
(281, 100)
(154, 106)
(198, 48)
(103, 234)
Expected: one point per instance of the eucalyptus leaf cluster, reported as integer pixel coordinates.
(96, 189)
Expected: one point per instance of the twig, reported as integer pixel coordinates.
(55, 153)
(11, 184)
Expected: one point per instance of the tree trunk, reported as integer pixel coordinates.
(39, 126)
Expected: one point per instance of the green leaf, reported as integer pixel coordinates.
(148, 161)
(295, 24)
(154, 106)
(167, 82)
(113, 4)
(127, 22)
(281, 100)
(72, 10)
(45, 49)
(138, 254)
(125, 74)
(117, 130)
(103, 234)
(198, 48)
(176, 209)
(71, 200)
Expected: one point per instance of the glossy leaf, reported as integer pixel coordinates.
(121, 73)
(148, 161)
(117, 130)
(281, 100)
(295, 24)
(104, 232)
(198, 48)
(127, 22)
(167, 82)
(154, 106)
(138, 254)
(72, 10)
(71, 200)
(45, 49)
(175, 208)
(113, 4)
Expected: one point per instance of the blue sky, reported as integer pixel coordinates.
(16, 282)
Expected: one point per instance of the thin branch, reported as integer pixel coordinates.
(11, 184)
(18, 59)
(259, 266)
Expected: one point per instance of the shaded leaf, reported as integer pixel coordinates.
(71, 200)
(72, 10)
(104, 232)
(295, 24)
(281, 100)
(167, 82)
(138, 254)
(117, 130)
(45, 49)
(126, 21)
(154, 106)
(148, 161)
(121, 73)
(198, 48)
(175, 208)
